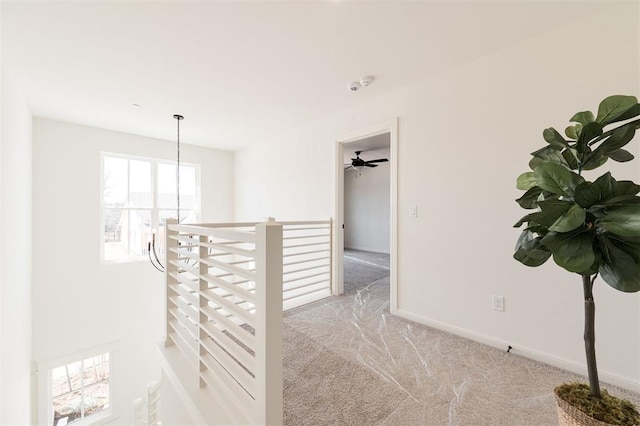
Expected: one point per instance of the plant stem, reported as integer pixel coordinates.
(589, 334)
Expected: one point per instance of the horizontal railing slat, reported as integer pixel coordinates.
(189, 310)
(219, 375)
(297, 262)
(230, 345)
(244, 273)
(227, 305)
(304, 277)
(230, 287)
(307, 268)
(225, 233)
(192, 283)
(187, 295)
(248, 339)
(304, 290)
(239, 374)
(228, 249)
(305, 252)
(188, 341)
(306, 245)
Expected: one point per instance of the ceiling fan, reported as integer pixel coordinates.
(358, 163)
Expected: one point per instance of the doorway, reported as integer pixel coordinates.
(352, 229)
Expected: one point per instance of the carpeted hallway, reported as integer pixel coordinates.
(349, 362)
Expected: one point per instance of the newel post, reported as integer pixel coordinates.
(171, 257)
(269, 322)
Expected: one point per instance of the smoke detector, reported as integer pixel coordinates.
(366, 80)
(354, 86)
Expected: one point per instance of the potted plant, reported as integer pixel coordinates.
(591, 228)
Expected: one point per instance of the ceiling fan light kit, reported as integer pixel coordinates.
(359, 164)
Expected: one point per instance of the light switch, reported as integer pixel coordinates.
(413, 211)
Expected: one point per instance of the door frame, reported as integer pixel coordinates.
(391, 127)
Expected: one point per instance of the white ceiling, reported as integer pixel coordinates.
(239, 71)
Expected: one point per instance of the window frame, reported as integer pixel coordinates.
(154, 210)
(43, 373)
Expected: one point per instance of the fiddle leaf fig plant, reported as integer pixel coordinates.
(590, 228)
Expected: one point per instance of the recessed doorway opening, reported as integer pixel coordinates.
(365, 231)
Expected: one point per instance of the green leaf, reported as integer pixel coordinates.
(620, 155)
(571, 132)
(570, 220)
(619, 138)
(620, 266)
(623, 221)
(589, 132)
(572, 251)
(630, 113)
(554, 138)
(620, 201)
(583, 117)
(548, 153)
(594, 161)
(550, 211)
(554, 177)
(588, 194)
(570, 157)
(626, 187)
(613, 107)
(529, 251)
(530, 198)
(526, 181)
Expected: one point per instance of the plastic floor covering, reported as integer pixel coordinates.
(349, 362)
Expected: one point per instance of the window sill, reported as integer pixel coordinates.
(101, 418)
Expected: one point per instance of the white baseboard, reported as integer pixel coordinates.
(523, 351)
(368, 249)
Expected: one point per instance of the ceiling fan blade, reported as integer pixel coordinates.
(348, 166)
(370, 165)
(379, 160)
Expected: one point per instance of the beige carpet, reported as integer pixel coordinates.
(349, 362)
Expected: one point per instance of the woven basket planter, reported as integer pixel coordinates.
(568, 415)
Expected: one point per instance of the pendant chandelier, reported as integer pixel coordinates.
(151, 246)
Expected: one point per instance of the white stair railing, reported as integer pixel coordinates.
(224, 312)
(307, 264)
(146, 412)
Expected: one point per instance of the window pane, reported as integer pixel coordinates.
(60, 382)
(96, 397)
(140, 184)
(96, 369)
(115, 181)
(80, 389)
(67, 408)
(166, 186)
(187, 187)
(115, 233)
(139, 232)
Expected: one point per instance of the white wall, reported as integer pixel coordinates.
(15, 256)
(367, 199)
(476, 125)
(77, 301)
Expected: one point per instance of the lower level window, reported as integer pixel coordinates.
(77, 392)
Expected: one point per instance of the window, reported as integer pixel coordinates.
(75, 389)
(138, 194)
(80, 389)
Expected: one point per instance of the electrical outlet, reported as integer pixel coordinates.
(498, 303)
